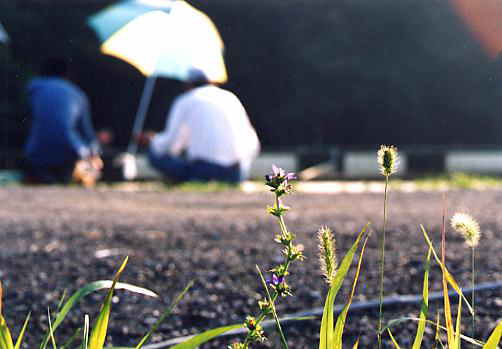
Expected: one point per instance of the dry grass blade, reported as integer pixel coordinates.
(393, 339)
(449, 278)
(85, 342)
(51, 331)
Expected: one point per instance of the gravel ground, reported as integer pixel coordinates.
(61, 238)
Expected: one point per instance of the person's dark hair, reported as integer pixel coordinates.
(197, 78)
(54, 66)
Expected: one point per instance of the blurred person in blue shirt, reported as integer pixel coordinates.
(62, 138)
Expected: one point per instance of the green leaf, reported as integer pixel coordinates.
(98, 334)
(166, 313)
(284, 343)
(85, 291)
(23, 330)
(424, 310)
(327, 323)
(340, 322)
(494, 339)
(206, 336)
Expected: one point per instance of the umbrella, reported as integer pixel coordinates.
(484, 19)
(3, 35)
(160, 38)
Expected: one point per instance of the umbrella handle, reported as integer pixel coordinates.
(139, 120)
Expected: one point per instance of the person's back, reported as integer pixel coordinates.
(208, 135)
(61, 131)
(56, 104)
(219, 122)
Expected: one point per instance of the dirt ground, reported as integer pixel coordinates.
(55, 238)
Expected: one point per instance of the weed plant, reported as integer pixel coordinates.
(275, 287)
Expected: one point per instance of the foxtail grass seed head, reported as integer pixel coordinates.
(327, 255)
(387, 159)
(467, 226)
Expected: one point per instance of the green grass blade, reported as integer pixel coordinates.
(284, 343)
(424, 310)
(5, 336)
(166, 313)
(61, 300)
(340, 321)
(98, 333)
(393, 339)
(73, 338)
(494, 339)
(51, 331)
(206, 336)
(356, 344)
(23, 330)
(85, 291)
(456, 344)
(327, 322)
(326, 340)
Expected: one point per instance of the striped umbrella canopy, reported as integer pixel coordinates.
(161, 37)
(166, 38)
(484, 19)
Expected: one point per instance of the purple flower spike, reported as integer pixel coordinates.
(279, 180)
(276, 280)
(277, 171)
(290, 176)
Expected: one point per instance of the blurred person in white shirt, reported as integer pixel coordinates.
(208, 136)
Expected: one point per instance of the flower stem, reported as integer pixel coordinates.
(473, 281)
(382, 263)
(275, 294)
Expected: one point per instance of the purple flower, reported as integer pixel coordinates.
(276, 280)
(279, 177)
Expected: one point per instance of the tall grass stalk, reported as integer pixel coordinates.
(382, 264)
(473, 283)
(387, 159)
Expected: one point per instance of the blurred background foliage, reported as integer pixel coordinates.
(310, 73)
